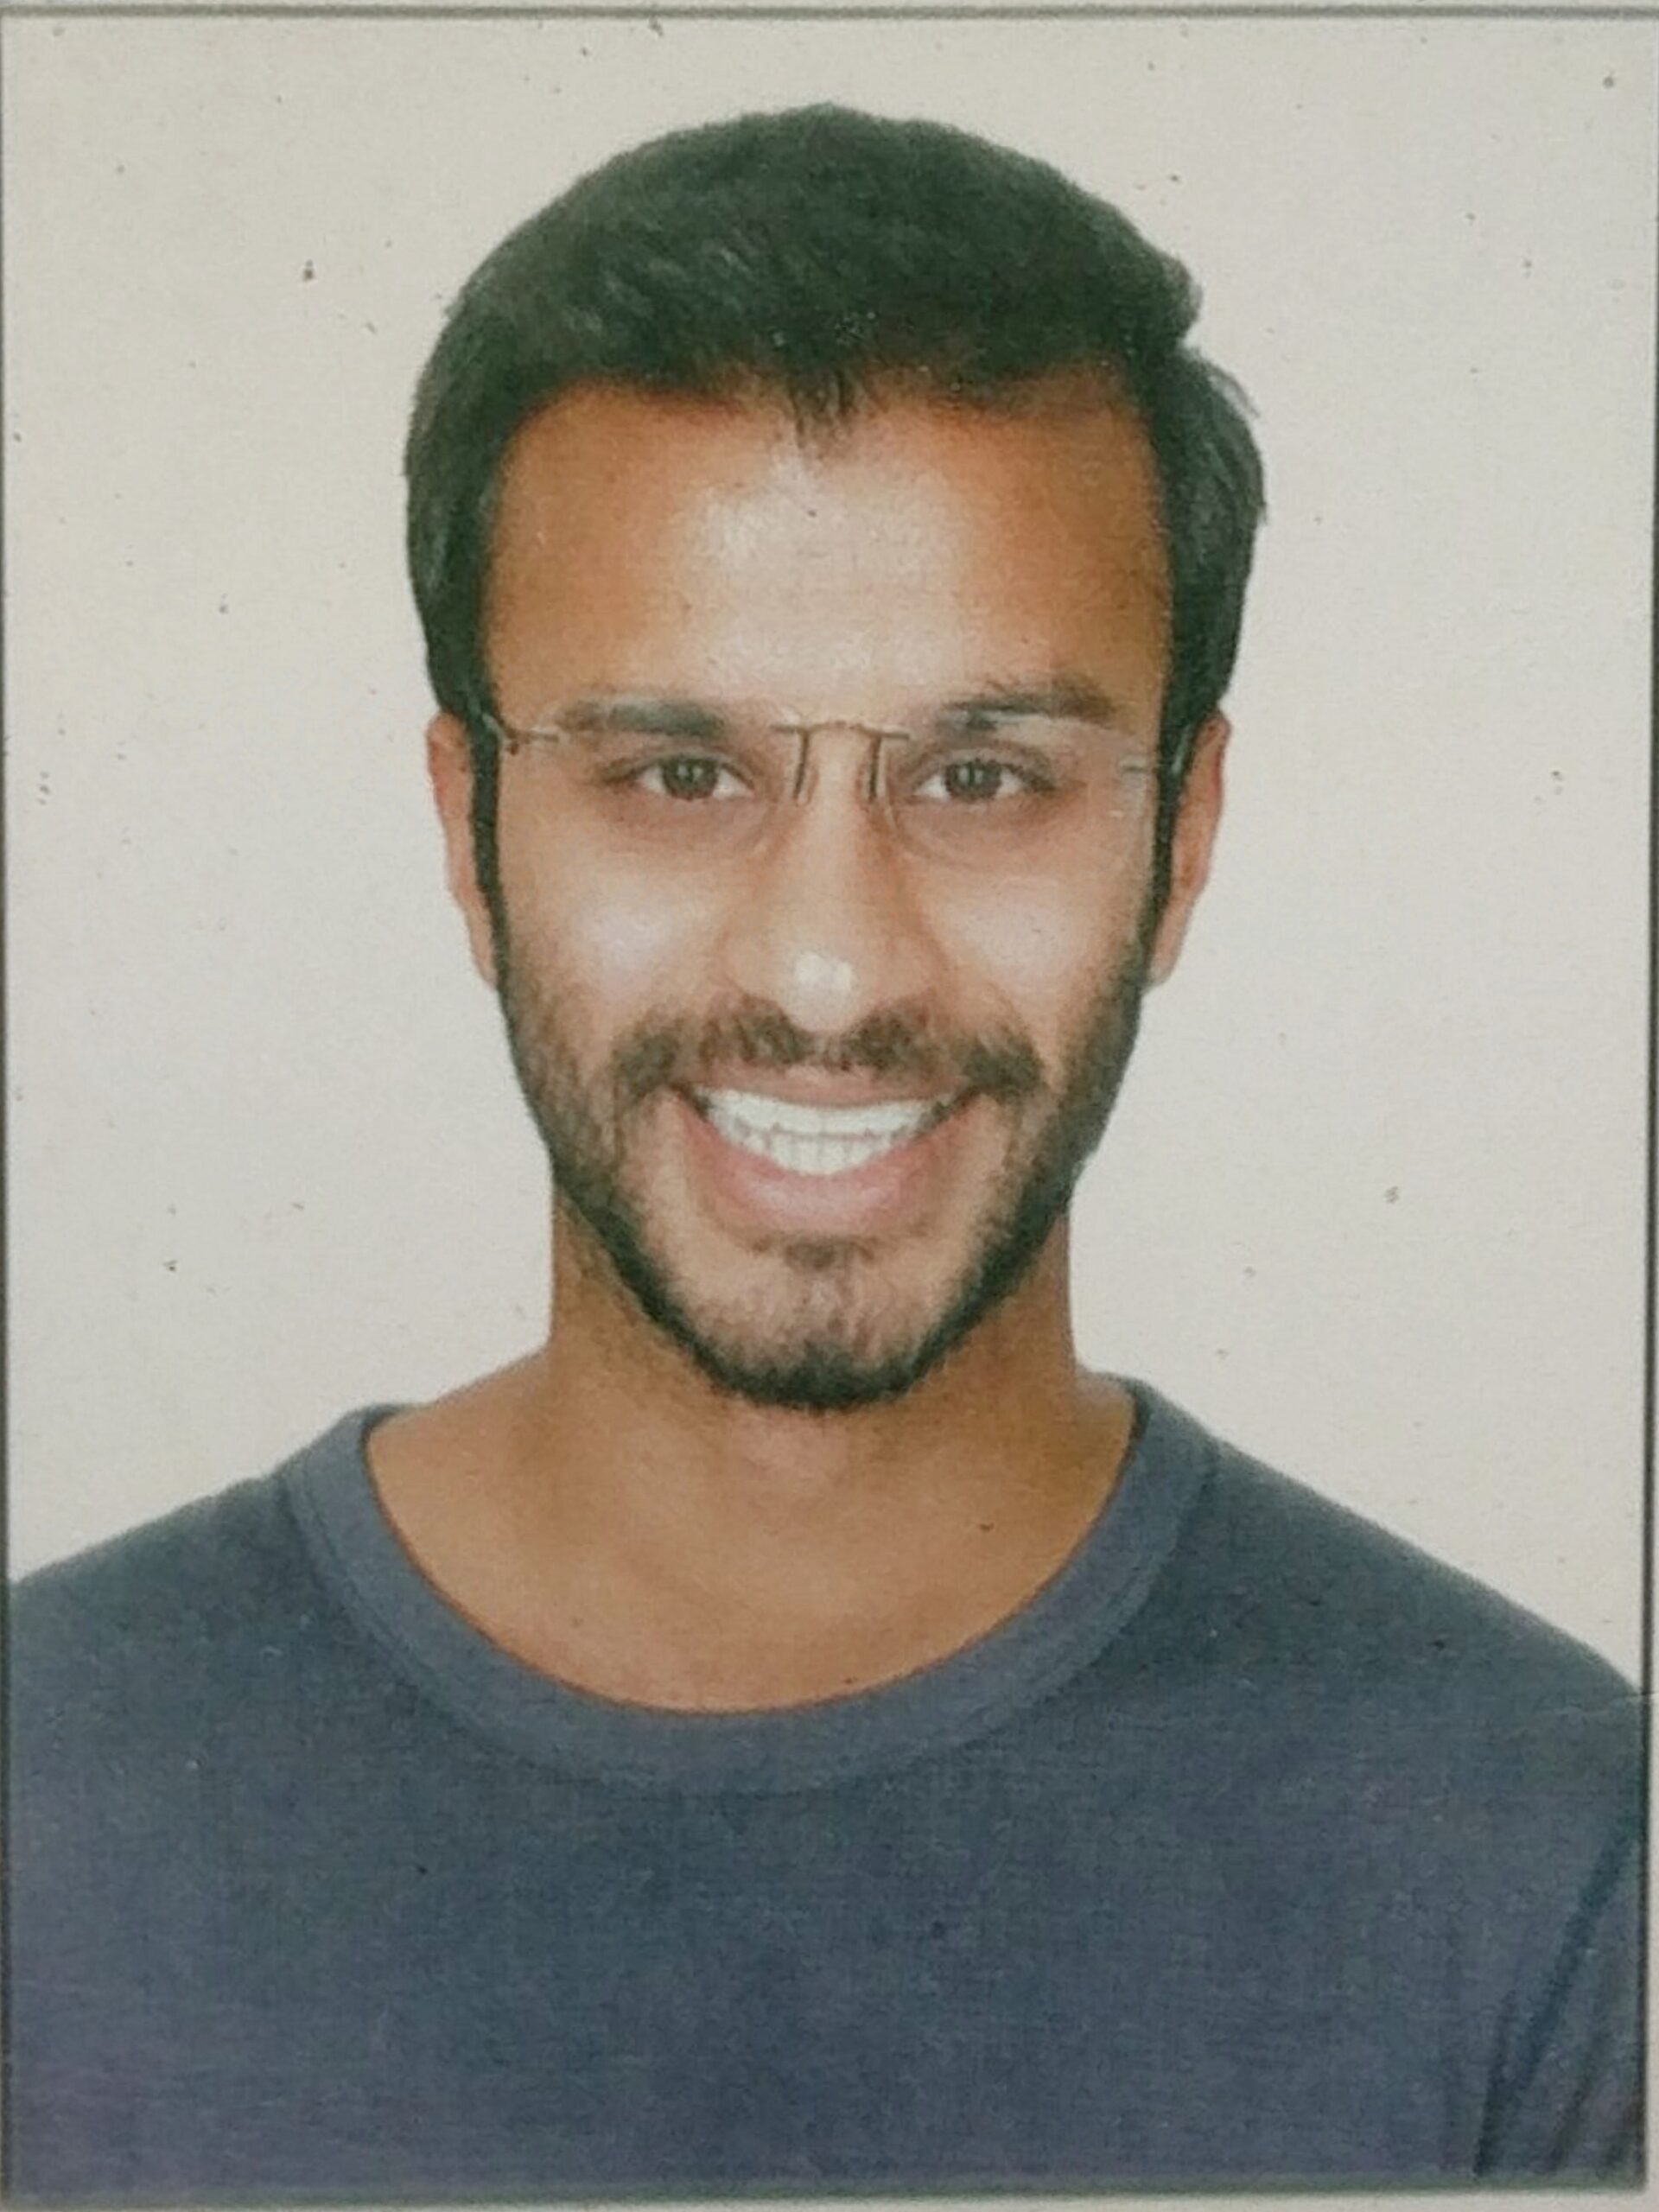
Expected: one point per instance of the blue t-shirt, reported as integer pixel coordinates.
(1256, 1847)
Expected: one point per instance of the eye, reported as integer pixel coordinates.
(688, 776)
(979, 779)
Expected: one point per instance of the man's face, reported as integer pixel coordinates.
(819, 1029)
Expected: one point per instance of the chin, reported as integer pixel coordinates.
(813, 1376)
(833, 1354)
(813, 1328)
(821, 1331)
(811, 1369)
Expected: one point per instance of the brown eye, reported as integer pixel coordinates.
(687, 776)
(974, 779)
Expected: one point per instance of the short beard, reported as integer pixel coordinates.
(583, 1128)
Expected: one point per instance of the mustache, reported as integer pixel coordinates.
(682, 1053)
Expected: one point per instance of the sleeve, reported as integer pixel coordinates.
(1568, 2103)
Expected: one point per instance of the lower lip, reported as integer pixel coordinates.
(854, 1202)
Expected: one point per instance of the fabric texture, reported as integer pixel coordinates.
(1256, 1848)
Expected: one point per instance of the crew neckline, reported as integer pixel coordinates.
(1059, 1630)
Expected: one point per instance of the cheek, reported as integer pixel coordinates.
(1041, 949)
(621, 946)
(627, 952)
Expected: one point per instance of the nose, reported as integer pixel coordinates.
(827, 926)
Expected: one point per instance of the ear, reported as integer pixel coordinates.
(449, 764)
(1198, 816)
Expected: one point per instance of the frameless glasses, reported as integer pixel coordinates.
(988, 782)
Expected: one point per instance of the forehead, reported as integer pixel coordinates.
(644, 539)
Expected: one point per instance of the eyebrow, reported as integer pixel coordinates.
(642, 713)
(1062, 697)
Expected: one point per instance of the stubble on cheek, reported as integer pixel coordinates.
(826, 1323)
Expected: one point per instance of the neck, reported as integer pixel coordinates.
(609, 1516)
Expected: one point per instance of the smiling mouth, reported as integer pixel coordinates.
(818, 1140)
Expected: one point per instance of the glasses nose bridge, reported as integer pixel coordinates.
(804, 780)
(827, 924)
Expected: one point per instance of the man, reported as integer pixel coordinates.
(797, 1729)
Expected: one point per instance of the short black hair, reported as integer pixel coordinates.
(820, 257)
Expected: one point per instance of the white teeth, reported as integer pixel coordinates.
(814, 1139)
(890, 1117)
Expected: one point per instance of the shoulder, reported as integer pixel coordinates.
(1446, 1788)
(166, 1627)
(1313, 1613)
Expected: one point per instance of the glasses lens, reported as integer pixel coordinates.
(665, 789)
(702, 784)
(1016, 796)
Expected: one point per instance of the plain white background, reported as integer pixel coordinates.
(1372, 1202)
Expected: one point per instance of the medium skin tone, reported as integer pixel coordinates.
(604, 1509)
